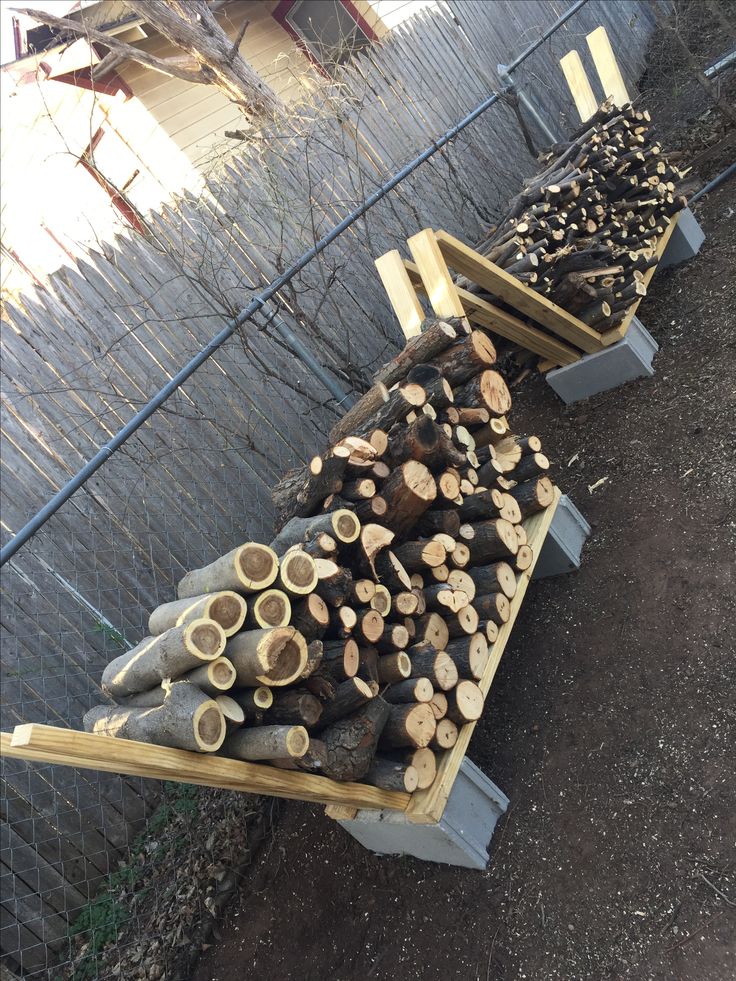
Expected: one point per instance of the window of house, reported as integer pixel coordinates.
(331, 30)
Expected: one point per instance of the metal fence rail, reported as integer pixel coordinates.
(193, 478)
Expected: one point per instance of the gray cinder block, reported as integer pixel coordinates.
(624, 361)
(685, 242)
(460, 837)
(564, 542)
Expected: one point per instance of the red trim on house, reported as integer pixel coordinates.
(360, 20)
(110, 84)
(17, 39)
(281, 10)
(119, 200)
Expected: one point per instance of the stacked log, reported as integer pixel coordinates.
(353, 645)
(585, 229)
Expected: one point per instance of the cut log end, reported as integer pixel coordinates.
(205, 638)
(209, 726)
(272, 608)
(298, 573)
(257, 566)
(229, 610)
(345, 525)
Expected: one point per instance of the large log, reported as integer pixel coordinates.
(498, 577)
(470, 655)
(533, 495)
(158, 659)
(295, 707)
(302, 491)
(345, 750)
(425, 441)
(267, 743)
(471, 355)
(438, 666)
(271, 608)
(213, 678)
(411, 690)
(489, 390)
(408, 725)
(408, 492)
(342, 525)
(422, 349)
(297, 573)
(247, 569)
(424, 762)
(310, 617)
(494, 607)
(493, 540)
(187, 719)
(273, 657)
(389, 775)
(464, 703)
(364, 408)
(226, 608)
(349, 696)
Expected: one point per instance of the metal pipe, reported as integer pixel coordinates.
(511, 86)
(257, 303)
(716, 182)
(721, 65)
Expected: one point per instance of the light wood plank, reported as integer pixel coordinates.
(505, 324)
(427, 806)
(500, 283)
(69, 747)
(607, 67)
(438, 284)
(617, 333)
(400, 292)
(579, 85)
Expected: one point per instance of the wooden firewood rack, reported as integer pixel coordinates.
(68, 747)
(558, 337)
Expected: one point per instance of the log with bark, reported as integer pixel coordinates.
(186, 719)
(167, 656)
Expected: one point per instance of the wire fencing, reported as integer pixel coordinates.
(81, 358)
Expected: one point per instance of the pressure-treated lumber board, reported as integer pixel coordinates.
(607, 67)
(85, 750)
(579, 85)
(436, 278)
(427, 806)
(611, 336)
(497, 281)
(401, 292)
(506, 324)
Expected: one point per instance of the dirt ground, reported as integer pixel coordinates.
(610, 724)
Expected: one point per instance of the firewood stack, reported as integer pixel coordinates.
(584, 231)
(352, 645)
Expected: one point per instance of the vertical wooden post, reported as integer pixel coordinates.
(400, 292)
(577, 81)
(436, 278)
(607, 67)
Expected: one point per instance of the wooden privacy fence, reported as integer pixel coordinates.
(80, 357)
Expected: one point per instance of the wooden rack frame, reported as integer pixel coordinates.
(564, 340)
(67, 747)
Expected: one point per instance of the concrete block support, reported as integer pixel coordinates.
(459, 838)
(628, 359)
(563, 545)
(685, 242)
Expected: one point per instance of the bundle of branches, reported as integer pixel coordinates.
(584, 231)
(353, 644)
